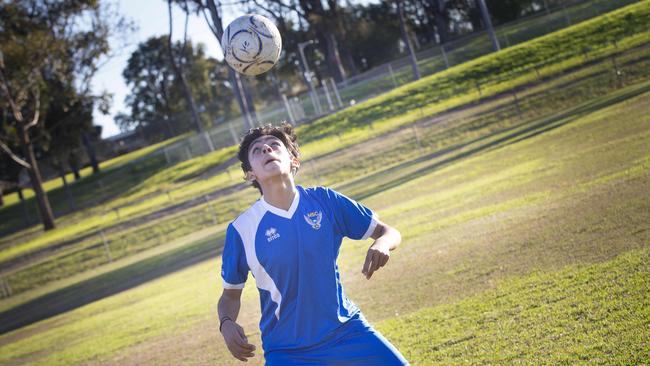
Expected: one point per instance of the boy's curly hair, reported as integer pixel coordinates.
(284, 132)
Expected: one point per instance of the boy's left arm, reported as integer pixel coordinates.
(386, 238)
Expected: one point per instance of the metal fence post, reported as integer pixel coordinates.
(211, 209)
(392, 75)
(235, 139)
(292, 119)
(444, 55)
(106, 248)
(327, 96)
(336, 92)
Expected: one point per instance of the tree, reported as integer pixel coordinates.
(157, 103)
(507, 10)
(325, 24)
(42, 42)
(212, 13)
(407, 40)
(178, 65)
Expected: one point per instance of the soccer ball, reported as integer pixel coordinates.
(251, 44)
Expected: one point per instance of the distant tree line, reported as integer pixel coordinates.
(351, 37)
(50, 50)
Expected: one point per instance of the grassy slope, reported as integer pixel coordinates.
(575, 194)
(436, 88)
(482, 122)
(596, 314)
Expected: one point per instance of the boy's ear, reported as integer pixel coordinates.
(295, 163)
(250, 176)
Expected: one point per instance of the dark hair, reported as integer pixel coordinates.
(284, 132)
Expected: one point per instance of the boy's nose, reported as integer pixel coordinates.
(266, 149)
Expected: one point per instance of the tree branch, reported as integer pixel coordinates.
(37, 109)
(13, 156)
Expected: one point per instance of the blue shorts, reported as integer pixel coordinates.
(356, 343)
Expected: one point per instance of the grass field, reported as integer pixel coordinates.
(154, 204)
(524, 208)
(530, 250)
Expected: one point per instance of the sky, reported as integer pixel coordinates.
(152, 19)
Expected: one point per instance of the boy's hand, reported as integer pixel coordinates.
(236, 341)
(377, 257)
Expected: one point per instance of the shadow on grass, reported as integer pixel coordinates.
(111, 283)
(517, 134)
(90, 191)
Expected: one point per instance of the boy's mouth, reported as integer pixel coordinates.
(271, 160)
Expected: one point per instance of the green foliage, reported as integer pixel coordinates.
(156, 102)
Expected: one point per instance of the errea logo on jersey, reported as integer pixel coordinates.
(272, 234)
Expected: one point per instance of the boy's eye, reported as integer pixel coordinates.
(256, 150)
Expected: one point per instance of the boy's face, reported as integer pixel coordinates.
(269, 158)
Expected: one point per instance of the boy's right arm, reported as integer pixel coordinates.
(233, 333)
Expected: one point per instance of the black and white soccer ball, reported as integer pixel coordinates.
(251, 44)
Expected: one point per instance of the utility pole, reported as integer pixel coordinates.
(407, 40)
(308, 77)
(488, 24)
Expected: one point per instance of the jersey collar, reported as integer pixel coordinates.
(280, 212)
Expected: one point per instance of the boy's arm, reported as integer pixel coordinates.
(386, 238)
(233, 333)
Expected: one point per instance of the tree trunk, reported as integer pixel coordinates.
(237, 88)
(23, 203)
(335, 66)
(178, 70)
(440, 17)
(73, 163)
(35, 176)
(66, 188)
(407, 40)
(217, 29)
(488, 24)
(349, 61)
(250, 103)
(90, 151)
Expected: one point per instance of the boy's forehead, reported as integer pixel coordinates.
(264, 138)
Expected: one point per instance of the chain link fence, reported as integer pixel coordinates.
(519, 112)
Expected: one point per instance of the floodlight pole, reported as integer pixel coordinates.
(488, 24)
(307, 75)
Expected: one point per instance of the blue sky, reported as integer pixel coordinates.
(152, 19)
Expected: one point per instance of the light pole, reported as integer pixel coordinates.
(307, 74)
(488, 24)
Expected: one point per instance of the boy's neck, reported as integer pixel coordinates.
(280, 194)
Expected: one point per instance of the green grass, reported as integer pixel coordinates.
(484, 236)
(495, 72)
(483, 125)
(501, 233)
(456, 85)
(596, 314)
(106, 165)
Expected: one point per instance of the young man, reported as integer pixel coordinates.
(290, 239)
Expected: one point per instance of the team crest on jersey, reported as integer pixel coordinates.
(272, 234)
(313, 219)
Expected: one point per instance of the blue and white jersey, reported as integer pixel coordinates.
(292, 255)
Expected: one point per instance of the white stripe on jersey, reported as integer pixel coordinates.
(246, 225)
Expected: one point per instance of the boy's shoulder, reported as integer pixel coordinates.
(249, 216)
(317, 190)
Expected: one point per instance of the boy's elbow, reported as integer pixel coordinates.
(398, 237)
